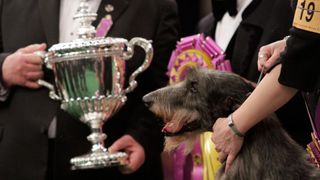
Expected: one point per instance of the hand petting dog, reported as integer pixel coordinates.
(266, 151)
(229, 146)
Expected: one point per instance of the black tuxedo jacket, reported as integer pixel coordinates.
(263, 22)
(26, 114)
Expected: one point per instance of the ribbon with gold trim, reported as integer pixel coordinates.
(195, 51)
(313, 148)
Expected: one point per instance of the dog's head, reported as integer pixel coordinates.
(192, 105)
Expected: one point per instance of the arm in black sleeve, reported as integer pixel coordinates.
(4, 92)
(300, 60)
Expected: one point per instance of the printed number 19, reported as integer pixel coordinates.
(310, 10)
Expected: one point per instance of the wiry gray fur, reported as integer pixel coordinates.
(268, 153)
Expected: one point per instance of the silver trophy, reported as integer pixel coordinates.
(89, 82)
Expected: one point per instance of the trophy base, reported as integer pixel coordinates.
(96, 160)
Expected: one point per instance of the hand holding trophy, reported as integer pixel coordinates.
(89, 82)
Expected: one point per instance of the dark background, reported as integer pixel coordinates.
(190, 12)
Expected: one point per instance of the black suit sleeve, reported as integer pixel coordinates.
(3, 91)
(300, 60)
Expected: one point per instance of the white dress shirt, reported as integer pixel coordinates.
(228, 25)
(68, 32)
(68, 27)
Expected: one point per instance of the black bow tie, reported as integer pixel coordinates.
(220, 7)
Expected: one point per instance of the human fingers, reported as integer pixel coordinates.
(118, 144)
(277, 47)
(262, 58)
(32, 84)
(218, 149)
(29, 79)
(216, 125)
(222, 156)
(33, 67)
(33, 59)
(229, 161)
(33, 48)
(264, 54)
(135, 160)
(271, 50)
(271, 61)
(136, 157)
(219, 130)
(22, 69)
(33, 75)
(213, 128)
(135, 151)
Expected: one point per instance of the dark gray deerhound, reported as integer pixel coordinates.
(191, 106)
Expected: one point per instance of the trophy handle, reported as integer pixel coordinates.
(48, 85)
(147, 47)
(52, 93)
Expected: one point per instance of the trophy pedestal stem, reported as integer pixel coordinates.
(99, 157)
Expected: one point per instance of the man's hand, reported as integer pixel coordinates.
(23, 68)
(135, 151)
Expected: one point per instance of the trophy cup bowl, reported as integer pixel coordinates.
(89, 82)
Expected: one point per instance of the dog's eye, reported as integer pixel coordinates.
(193, 86)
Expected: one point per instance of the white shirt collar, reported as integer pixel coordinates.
(228, 25)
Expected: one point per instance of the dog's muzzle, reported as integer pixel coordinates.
(147, 100)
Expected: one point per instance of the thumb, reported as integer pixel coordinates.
(33, 48)
(271, 61)
(118, 144)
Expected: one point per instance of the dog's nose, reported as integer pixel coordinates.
(147, 100)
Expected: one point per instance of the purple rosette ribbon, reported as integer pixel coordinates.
(196, 51)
